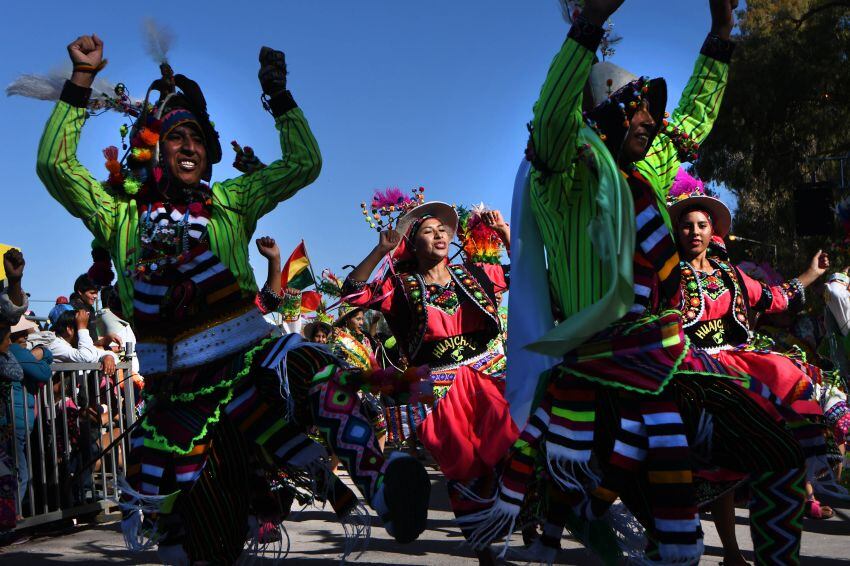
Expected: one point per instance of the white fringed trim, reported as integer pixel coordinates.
(140, 501)
(286, 393)
(470, 495)
(490, 523)
(276, 360)
(631, 536)
(565, 471)
(257, 551)
(135, 539)
(357, 526)
(135, 505)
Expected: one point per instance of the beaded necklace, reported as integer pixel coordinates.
(166, 239)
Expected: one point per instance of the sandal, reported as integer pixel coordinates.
(814, 510)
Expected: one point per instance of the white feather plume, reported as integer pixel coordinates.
(49, 86)
(158, 40)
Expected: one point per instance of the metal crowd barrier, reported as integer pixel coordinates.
(77, 416)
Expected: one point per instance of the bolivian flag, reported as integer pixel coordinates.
(297, 273)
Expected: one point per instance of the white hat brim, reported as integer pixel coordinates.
(721, 217)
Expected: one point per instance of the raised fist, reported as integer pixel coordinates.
(272, 73)
(86, 50)
(268, 248)
(13, 264)
(819, 264)
(388, 240)
(722, 17)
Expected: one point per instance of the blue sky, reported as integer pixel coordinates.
(397, 93)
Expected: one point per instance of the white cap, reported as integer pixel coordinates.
(600, 73)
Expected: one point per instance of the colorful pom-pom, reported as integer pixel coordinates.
(131, 186)
(142, 154)
(148, 137)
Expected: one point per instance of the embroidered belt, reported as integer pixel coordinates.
(715, 335)
(453, 351)
(207, 345)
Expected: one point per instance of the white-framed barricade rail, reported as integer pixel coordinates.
(70, 474)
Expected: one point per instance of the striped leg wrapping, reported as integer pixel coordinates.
(776, 516)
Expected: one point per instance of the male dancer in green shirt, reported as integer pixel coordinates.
(217, 383)
(630, 405)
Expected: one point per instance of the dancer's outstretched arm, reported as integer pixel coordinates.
(57, 165)
(771, 299)
(388, 240)
(253, 195)
(269, 249)
(377, 295)
(698, 106)
(557, 113)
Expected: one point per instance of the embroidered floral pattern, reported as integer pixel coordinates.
(442, 297)
(415, 290)
(696, 286)
(692, 302)
(713, 284)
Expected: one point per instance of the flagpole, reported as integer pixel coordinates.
(309, 263)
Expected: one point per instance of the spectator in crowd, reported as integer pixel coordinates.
(13, 304)
(318, 331)
(13, 300)
(71, 452)
(35, 364)
(837, 298)
(84, 298)
(73, 342)
(55, 313)
(10, 372)
(110, 323)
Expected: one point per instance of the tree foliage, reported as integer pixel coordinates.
(787, 104)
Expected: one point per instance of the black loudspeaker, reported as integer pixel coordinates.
(813, 209)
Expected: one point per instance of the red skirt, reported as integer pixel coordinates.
(782, 376)
(470, 430)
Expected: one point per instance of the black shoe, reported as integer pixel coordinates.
(407, 491)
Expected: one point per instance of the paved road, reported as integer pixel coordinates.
(316, 539)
